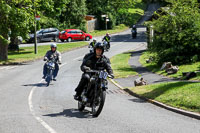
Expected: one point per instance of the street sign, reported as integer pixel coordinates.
(103, 16)
(37, 18)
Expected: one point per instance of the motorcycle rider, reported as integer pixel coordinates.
(92, 44)
(134, 31)
(52, 54)
(93, 61)
(107, 39)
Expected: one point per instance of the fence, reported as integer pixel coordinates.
(92, 25)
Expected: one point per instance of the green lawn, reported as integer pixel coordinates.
(184, 95)
(121, 67)
(182, 68)
(27, 53)
(116, 29)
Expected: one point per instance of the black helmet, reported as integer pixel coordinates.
(99, 45)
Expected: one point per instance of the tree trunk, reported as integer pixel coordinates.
(3, 51)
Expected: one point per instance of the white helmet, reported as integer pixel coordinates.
(53, 45)
(94, 39)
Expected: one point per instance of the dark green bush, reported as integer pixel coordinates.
(177, 33)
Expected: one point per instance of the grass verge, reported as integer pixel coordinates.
(182, 68)
(184, 95)
(120, 66)
(27, 53)
(116, 29)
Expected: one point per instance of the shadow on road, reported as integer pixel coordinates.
(37, 84)
(136, 100)
(141, 37)
(72, 113)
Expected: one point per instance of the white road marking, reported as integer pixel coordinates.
(2, 68)
(43, 123)
(63, 64)
(78, 58)
(8, 67)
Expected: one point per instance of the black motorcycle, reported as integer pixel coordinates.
(134, 33)
(91, 49)
(50, 70)
(94, 93)
(106, 46)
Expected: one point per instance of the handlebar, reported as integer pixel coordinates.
(98, 71)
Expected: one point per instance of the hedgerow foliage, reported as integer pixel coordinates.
(177, 33)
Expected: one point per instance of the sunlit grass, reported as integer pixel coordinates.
(116, 29)
(27, 53)
(121, 67)
(184, 95)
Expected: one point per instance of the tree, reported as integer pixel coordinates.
(177, 33)
(75, 14)
(17, 17)
(115, 9)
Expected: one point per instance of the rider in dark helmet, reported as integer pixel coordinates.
(93, 61)
(92, 44)
(53, 53)
(107, 38)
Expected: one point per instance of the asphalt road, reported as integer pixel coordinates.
(28, 106)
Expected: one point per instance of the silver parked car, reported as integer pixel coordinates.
(45, 35)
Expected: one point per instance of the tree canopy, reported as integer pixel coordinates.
(177, 33)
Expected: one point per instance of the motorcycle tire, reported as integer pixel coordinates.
(49, 77)
(95, 113)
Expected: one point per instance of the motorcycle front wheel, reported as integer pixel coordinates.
(49, 77)
(98, 104)
(81, 107)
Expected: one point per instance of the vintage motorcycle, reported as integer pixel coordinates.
(50, 70)
(94, 93)
(106, 46)
(134, 32)
(91, 49)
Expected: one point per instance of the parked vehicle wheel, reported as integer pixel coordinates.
(87, 38)
(69, 39)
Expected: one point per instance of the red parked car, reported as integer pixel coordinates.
(74, 34)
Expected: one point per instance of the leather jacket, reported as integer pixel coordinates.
(94, 63)
(56, 55)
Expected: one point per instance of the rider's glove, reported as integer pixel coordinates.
(112, 76)
(45, 58)
(86, 68)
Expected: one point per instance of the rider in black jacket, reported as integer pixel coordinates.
(93, 61)
(107, 38)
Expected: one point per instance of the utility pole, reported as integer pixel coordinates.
(35, 29)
